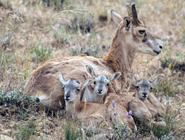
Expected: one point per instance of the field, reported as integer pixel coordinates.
(34, 31)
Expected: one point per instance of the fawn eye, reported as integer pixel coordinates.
(151, 88)
(141, 32)
(137, 87)
(108, 84)
(78, 90)
(95, 83)
(63, 87)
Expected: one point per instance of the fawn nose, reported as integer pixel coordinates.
(160, 46)
(67, 96)
(144, 93)
(99, 90)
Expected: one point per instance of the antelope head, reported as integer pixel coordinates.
(143, 86)
(102, 82)
(73, 88)
(132, 32)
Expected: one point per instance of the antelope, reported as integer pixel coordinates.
(143, 87)
(131, 37)
(101, 93)
(101, 86)
(90, 113)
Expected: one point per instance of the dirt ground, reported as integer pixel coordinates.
(34, 31)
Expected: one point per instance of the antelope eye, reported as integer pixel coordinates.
(108, 84)
(63, 87)
(78, 90)
(137, 87)
(151, 88)
(141, 32)
(95, 83)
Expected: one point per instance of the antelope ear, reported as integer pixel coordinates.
(116, 17)
(133, 78)
(156, 80)
(60, 77)
(86, 83)
(127, 23)
(115, 76)
(90, 70)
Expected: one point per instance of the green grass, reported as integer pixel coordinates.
(83, 22)
(25, 131)
(6, 59)
(40, 53)
(88, 50)
(32, 25)
(167, 87)
(121, 132)
(61, 36)
(72, 133)
(166, 132)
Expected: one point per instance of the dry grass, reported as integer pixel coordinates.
(31, 33)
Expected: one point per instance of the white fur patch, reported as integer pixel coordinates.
(87, 95)
(42, 98)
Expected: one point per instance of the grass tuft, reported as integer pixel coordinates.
(83, 22)
(24, 132)
(167, 87)
(88, 50)
(71, 133)
(40, 53)
(166, 132)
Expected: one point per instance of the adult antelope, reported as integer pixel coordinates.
(131, 37)
(91, 113)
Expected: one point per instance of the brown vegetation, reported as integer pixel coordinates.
(31, 33)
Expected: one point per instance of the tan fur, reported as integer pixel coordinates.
(157, 105)
(138, 108)
(153, 105)
(140, 111)
(120, 58)
(156, 109)
(121, 117)
(150, 107)
(95, 113)
(43, 81)
(142, 92)
(127, 102)
(86, 112)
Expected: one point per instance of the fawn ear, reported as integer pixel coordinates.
(156, 80)
(133, 78)
(116, 17)
(60, 77)
(86, 83)
(90, 70)
(115, 76)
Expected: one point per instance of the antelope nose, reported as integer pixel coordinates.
(144, 93)
(160, 46)
(67, 96)
(99, 90)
